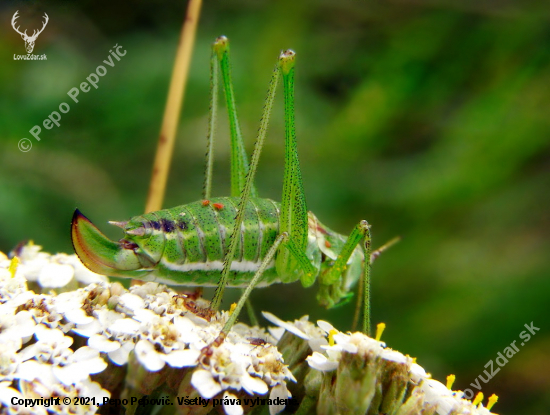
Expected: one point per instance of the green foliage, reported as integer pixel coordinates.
(429, 121)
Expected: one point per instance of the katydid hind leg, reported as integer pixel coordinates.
(239, 159)
(293, 218)
(246, 193)
(213, 115)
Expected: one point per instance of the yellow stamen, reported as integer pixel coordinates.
(413, 359)
(331, 336)
(492, 400)
(13, 266)
(478, 399)
(379, 330)
(232, 308)
(450, 380)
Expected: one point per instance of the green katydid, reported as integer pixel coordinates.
(241, 240)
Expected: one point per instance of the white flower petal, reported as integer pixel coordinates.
(187, 330)
(7, 393)
(31, 369)
(233, 408)
(343, 343)
(87, 330)
(320, 362)
(435, 388)
(94, 366)
(69, 374)
(125, 326)
(107, 317)
(280, 391)
(94, 390)
(55, 275)
(78, 316)
(25, 324)
(446, 404)
(84, 353)
(394, 356)
(205, 384)
(253, 385)
(287, 326)
(120, 356)
(148, 356)
(325, 326)
(317, 343)
(102, 344)
(32, 269)
(29, 352)
(417, 373)
(131, 301)
(276, 332)
(53, 337)
(145, 315)
(182, 358)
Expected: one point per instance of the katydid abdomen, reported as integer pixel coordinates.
(186, 245)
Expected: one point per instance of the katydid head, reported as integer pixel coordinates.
(132, 256)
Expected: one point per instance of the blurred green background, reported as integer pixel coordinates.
(428, 118)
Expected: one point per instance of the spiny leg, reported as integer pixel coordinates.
(257, 276)
(359, 233)
(214, 73)
(247, 189)
(207, 351)
(239, 160)
(293, 236)
(293, 218)
(375, 254)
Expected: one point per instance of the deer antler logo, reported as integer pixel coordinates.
(29, 40)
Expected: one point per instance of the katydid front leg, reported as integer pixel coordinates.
(361, 232)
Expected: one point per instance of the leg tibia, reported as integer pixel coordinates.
(334, 289)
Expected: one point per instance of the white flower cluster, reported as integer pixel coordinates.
(101, 339)
(327, 355)
(54, 271)
(149, 326)
(36, 354)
